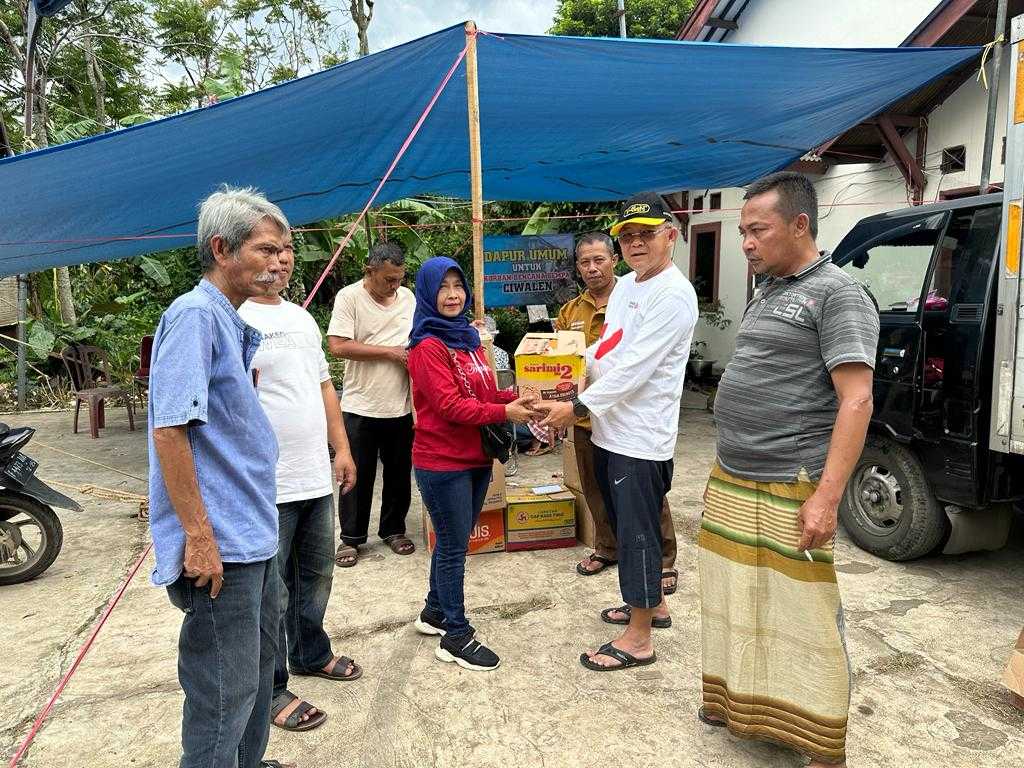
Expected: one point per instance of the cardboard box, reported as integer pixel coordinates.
(586, 529)
(570, 469)
(495, 498)
(488, 536)
(540, 521)
(1013, 677)
(551, 365)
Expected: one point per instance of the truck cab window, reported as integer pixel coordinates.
(894, 270)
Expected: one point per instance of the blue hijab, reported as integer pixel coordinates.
(453, 332)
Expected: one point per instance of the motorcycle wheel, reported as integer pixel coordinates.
(31, 537)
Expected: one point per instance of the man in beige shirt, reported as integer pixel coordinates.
(369, 329)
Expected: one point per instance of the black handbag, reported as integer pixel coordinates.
(497, 440)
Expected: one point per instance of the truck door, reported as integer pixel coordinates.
(895, 268)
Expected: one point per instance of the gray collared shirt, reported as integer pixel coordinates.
(776, 406)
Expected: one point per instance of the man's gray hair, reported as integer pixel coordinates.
(796, 195)
(595, 237)
(389, 252)
(232, 213)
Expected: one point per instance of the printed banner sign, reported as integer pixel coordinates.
(528, 269)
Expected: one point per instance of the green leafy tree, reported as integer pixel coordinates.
(225, 48)
(659, 19)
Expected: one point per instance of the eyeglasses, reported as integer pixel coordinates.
(645, 235)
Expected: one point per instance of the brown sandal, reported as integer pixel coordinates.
(337, 672)
(400, 544)
(593, 557)
(670, 574)
(294, 721)
(714, 722)
(346, 556)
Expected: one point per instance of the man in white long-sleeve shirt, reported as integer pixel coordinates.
(635, 381)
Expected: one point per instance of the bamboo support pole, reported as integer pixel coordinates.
(475, 172)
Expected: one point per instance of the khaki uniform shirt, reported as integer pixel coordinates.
(582, 314)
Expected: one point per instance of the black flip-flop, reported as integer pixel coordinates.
(593, 557)
(658, 622)
(702, 715)
(626, 660)
(670, 574)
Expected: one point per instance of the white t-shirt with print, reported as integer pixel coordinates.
(635, 371)
(291, 366)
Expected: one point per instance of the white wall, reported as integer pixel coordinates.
(961, 120)
(830, 23)
(847, 193)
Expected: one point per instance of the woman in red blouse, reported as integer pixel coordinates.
(454, 393)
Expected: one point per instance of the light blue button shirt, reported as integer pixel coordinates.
(199, 377)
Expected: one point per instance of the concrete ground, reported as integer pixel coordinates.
(928, 642)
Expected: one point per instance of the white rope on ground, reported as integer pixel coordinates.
(110, 494)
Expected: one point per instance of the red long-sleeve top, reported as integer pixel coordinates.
(448, 418)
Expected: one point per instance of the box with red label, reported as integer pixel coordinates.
(551, 365)
(540, 521)
(488, 536)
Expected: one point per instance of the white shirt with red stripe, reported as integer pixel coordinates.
(635, 371)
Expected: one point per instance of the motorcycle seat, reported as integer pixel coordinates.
(4, 429)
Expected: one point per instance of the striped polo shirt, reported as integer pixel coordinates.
(776, 405)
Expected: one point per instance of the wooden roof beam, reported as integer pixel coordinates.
(936, 27)
(898, 149)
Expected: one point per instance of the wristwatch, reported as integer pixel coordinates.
(579, 408)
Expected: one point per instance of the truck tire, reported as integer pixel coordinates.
(888, 508)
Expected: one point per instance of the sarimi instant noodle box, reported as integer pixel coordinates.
(551, 365)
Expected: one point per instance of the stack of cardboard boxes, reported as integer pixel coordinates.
(532, 518)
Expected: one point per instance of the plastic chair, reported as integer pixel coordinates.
(89, 371)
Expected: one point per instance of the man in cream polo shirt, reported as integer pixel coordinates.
(369, 329)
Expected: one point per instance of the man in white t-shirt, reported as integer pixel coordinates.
(370, 329)
(635, 381)
(297, 394)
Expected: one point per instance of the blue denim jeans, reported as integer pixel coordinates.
(453, 501)
(305, 560)
(226, 655)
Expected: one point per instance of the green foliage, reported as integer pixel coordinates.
(145, 58)
(659, 19)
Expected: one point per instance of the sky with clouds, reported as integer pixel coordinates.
(399, 21)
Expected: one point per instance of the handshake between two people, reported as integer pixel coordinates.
(547, 413)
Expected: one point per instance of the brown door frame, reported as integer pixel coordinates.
(696, 229)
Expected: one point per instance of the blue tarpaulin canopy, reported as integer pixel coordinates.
(561, 119)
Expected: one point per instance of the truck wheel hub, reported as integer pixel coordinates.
(879, 499)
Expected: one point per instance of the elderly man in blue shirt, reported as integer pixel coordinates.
(212, 458)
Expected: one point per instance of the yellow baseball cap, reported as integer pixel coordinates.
(649, 208)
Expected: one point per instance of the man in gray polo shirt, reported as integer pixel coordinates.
(792, 412)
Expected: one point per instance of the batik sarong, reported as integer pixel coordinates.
(774, 659)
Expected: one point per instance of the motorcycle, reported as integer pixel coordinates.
(31, 535)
